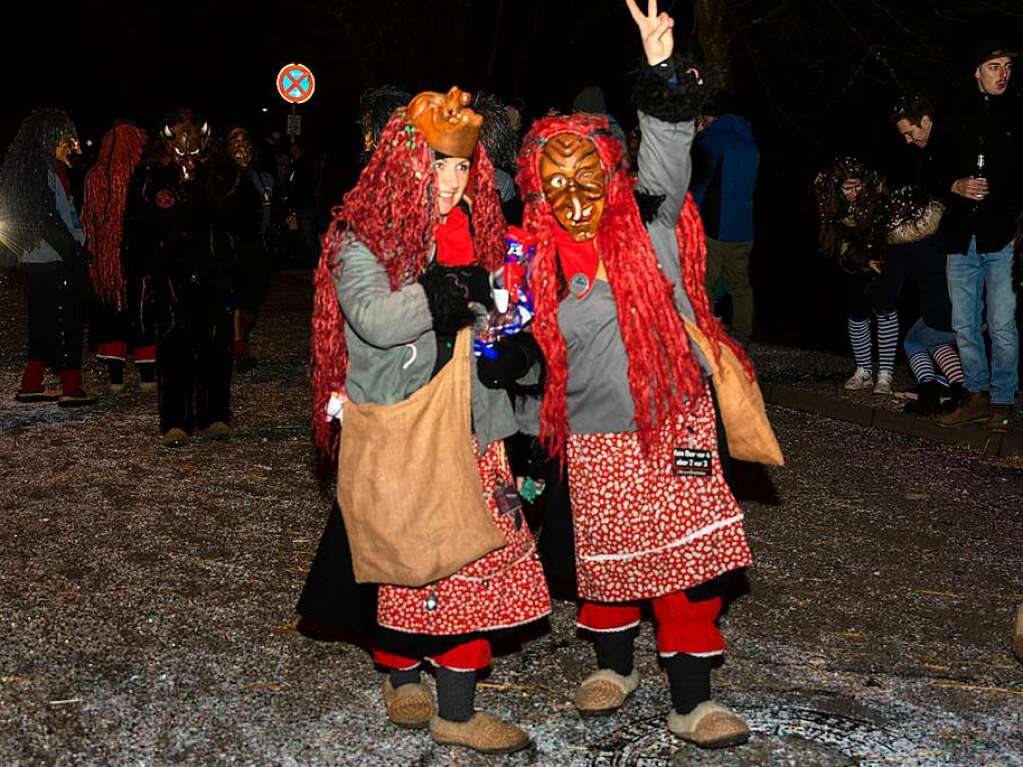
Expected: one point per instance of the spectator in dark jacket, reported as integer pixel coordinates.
(978, 176)
(725, 174)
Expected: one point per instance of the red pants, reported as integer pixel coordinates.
(468, 656)
(682, 625)
(118, 352)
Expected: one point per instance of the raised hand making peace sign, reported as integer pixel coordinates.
(655, 31)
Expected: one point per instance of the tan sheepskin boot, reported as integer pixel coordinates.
(410, 706)
(604, 692)
(484, 733)
(709, 725)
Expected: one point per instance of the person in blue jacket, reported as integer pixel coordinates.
(726, 161)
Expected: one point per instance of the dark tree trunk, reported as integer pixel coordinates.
(710, 21)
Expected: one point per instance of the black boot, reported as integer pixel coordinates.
(956, 397)
(115, 376)
(928, 401)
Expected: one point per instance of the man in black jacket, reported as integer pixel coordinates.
(978, 177)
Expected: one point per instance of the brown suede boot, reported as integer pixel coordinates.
(484, 733)
(604, 692)
(976, 408)
(709, 725)
(999, 419)
(410, 706)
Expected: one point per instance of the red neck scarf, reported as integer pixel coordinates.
(454, 240)
(577, 258)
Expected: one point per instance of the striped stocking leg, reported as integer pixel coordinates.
(923, 368)
(948, 360)
(887, 340)
(859, 338)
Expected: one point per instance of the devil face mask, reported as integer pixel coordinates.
(239, 147)
(574, 183)
(185, 143)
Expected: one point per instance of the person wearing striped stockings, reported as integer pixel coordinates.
(915, 254)
(849, 204)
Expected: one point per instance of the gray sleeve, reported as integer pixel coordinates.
(380, 316)
(665, 166)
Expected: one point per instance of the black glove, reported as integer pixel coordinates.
(448, 299)
(515, 356)
(475, 280)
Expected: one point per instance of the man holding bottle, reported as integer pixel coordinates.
(979, 180)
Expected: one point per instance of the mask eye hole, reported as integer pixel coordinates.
(558, 182)
(194, 152)
(178, 152)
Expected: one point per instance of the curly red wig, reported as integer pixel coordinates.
(663, 372)
(106, 197)
(391, 210)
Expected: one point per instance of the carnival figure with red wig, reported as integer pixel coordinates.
(627, 403)
(403, 276)
(117, 279)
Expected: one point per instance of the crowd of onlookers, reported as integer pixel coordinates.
(945, 224)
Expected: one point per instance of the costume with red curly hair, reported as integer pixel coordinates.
(652, 514)
(374, 265)
(663, 373)
(398, 228)
(106, 197)
(117, 285)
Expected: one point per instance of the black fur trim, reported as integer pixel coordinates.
(674, 103)
(648, 205)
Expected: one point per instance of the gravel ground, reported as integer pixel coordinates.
(146, 599)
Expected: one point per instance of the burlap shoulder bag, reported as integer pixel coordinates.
(750, 436)
(408, 484)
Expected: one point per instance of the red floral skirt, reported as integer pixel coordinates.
(506, 588)
(651, 526)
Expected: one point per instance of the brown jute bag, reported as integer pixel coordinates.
(408, 484)
(750, 436)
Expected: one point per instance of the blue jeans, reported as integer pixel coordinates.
(923, 339)
(971, 275)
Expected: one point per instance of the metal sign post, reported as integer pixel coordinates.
(296, 85)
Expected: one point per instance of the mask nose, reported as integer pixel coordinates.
(577, 206)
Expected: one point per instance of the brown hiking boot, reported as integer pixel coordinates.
(709, 725)
(975, 409)
(410, 706)
(604, 692)
(484, 733)
(999, 419)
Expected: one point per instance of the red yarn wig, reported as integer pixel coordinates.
(392, 211)
(663, 372)
(106, 197)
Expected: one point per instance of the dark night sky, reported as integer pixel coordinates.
(101, 60)
(805, 80)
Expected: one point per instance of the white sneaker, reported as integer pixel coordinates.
(861, 379)
(884, 383)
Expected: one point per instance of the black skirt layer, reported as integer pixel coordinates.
(334, 606)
